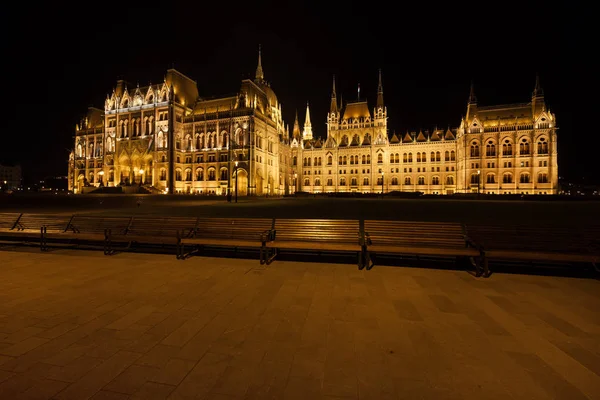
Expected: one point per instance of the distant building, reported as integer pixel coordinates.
(54, 183)
(170, 139)
(10, 177)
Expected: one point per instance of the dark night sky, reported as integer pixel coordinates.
(59, 62)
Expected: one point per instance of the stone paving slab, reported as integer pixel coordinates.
(80, 325)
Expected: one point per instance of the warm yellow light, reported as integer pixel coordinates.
(478, 172)
(101, 173)
(141, 171)
(236, 164)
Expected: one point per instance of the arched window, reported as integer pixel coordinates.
(404, 157)
(450, 180)
(407, 181)
(391, 158)
(418, 157)
(424, 157)
(421, 180)
(304, 163)
(507, 178)
(317, 182)
(225, 140)
(394, 180)
(410, 159)
(435, 180)
(340, 161)
(345, 160)
(379, 158)
(452, 156)
(329, 182)
(329, 160)
(364, 159)
(308, 162)
(320, 161)
(507, 148)
(474, 149)
(365, 181)
(147, 130)
(306, 182)
(188, 174)
(188, 142)
(447, 156)
(542, 177)
(474, 179)
(524, 178)
(432, 159)
(368, 159)
(524, 147)
(438, 156)
(490, 149)
(178, 175)
(199, 174)
(353, 182)
(542, 146)
(223, 174)
(397, 158)
(79, 150)
(91, 150)
(295, 161)
(491, 178)
(342, 181)
(212, 174)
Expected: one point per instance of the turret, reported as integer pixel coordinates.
(296, 130)
(380, 92)
(537, 98)
(307, 132)
(333, 109)
(472, 105)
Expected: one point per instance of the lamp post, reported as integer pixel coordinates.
(295, 183)
(235, 169)
(101, 173)
(141, 176)
(478, 180)
(382, 184)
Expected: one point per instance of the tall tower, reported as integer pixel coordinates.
(260, 76)
(307, 132)
(333, 118)
(333, 109)
(380, 109)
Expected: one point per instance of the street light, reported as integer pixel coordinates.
(295, 182)
(478, 180)
(235, 169)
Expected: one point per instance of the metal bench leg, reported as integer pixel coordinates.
(107, 243)
(178, 246)
(270, 254)
(484, 263)
(43, 239)
(368, 262)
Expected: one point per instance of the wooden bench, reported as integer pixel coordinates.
(226, 232)
(8, 221)
(95, 228)
(316, 235)
(576, 244)
(440, 239)
(35, 227)
(152, 230)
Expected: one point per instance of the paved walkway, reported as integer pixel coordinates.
(80, 325)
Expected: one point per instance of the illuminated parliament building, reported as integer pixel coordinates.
(167, 138)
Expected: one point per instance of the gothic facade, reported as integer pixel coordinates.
(169, 139)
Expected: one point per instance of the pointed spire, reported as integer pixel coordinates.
(472, 98)
(296, 130)
(538, 91)
(259, 71)
(307, 133)
(333, 108)
(380, 92)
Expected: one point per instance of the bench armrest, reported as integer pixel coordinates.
(472, 243)
(268, 235)
(365, 239)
